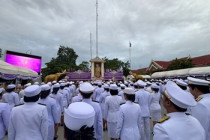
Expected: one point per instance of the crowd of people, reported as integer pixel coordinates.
(124, 109)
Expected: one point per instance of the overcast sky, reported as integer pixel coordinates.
(157, 29)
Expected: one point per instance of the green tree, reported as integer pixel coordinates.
(0, 52)
(180, 64)
(66, 59)
(84, 65)
(116, 64)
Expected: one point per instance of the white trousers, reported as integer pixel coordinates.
(145, 131)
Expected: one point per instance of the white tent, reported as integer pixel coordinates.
(199, 71)
(8, 70)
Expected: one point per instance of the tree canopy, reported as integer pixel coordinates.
(0, 52)
(180, 64)
(116, 64)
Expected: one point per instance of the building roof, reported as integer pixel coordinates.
(201, 60)
(143, 70)
(163, 64)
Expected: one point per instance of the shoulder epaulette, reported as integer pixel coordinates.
(95, 101)
(198, 99)
(163, 119)
(18, 105)
(42, 104)
(122, 103)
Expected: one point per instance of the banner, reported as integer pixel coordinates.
(79, 75)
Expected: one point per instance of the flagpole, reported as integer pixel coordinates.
(96, 28)
(130, 53)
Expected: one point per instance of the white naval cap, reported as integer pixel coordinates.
(54, 82)
(154, 86)
(28, 84)
(99, 83)
(49, 83)
(113, 87)
(32, 90)
(181, 83)
(56, 85)
(36, 83)
(79, 114)
(178, 96)
(86, 88)
(196, 81)
(63, 84)
(122, 85)
(1, 90)
(141, 83)
(45, 87)
(129, 91)
(11, 86)
(148, 83)
(106, 86)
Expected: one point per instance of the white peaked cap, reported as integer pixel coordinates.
(196, 81)
(178, 96)
(56, 85)
(181, 83)
(141, 83)
(106, 86)
(113, 87)
(11, 86)
(129, 91)
(79, 114)
(122, 85)
(154, 86)
(32, 90)
(86, 87)
(29, 84)
(54, 82)
(45, 87)
(36, 83)
(62, 84)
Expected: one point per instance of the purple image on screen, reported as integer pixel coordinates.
(26, 62)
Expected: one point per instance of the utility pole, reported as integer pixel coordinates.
(96, 28)
(91, 56)
(130, 54)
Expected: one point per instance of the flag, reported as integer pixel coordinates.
(130, 44)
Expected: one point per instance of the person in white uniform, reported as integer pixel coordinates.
(86, 90)
(10, 96)
(51, 109)
(178, 125)
(59, 103)
(78, 121)
(30, 120)
(4, 116)
(200, 90)
(181, 84)
(155, 108)
(129, 123)
(121, 92)
(98, 92)
(102, 104)
(112, 110)
(143, 99)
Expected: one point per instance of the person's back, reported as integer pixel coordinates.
(4, 118)
(11, 98)
(27, 121)
(179, 126)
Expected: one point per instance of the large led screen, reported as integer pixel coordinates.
(24, 60)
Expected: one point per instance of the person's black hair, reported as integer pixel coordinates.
(10, 90)
(131, 84)
(135, 86)
(203, 89)
(182, 87)
(86, 95)
(85, 133)
(113, 92)
(31, 99)
(62, 87)
(130, 97)
(44, 94)
(122, 87)
(155, 89)
(99, 85)
(179, 108)
(107, 89)
(55, 90)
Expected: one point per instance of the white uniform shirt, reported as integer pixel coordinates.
(98, 125)
(28, 122)
(143, 99)
(11, 98)
(154, 101)
(179, 127)
(4, 118)
(77, 98)
(65, 97)
(102, 102)
(52, 114)
(202, 112)
(97, 94)
(128, 128)
(112, 108)
(121, 93)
